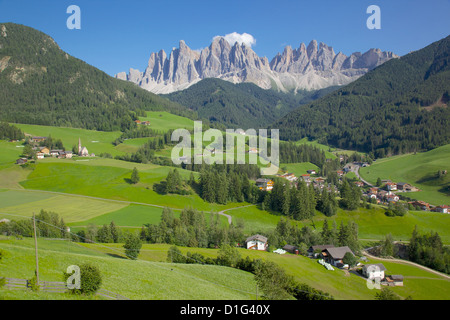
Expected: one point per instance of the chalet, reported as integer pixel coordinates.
(55, 153)
(317, 250)
(289, 176)
(311, 171)
(402, 186)
(373, 190)
(264, 184)
(145, 123)
(21, 161)
(253, 150)
(44, 150)
(372, 195)
(359, 184)
(306, 177)
(442, 209)
(392, 198)
(420, 204)
(137, 121)
(291, 249)
(65, 155)
(335, 256)
(40, 155)
(256, 242)
(382, 194)
(340, 173)
(391, 186)
(374, 271)
(320, 180)
(38, 139)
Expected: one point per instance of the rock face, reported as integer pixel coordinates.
(311, 67)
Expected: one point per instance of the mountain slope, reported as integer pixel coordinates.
(401, 106)
(41, 84)
(314, 67)
(242, 105)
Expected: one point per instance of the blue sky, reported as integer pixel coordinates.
(116, 35)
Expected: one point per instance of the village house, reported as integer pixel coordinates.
(422, 205)
(55, 153)
(21, 161)
(291, 249)
(311, 171)
(257, 242)
(289, 176)
(392, 198)
(340, 173)
(359, 184)
(252, 150)
(373, 190)
(306, 177)
(335, 256)
(391, 186)
(442, 209)
(40, 155)
(264, 184)
(374, 271)
(38, 139)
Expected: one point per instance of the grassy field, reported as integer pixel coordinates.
(419, 284)
(160, 120)
(298, 168)
(419, 170)
(140, 279)
(373, 224)
(95, 141)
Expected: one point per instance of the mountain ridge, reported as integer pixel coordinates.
(311, 67)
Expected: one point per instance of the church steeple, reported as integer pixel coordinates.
(79, 146)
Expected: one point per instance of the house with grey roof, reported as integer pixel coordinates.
(374, 271)
(335, 256)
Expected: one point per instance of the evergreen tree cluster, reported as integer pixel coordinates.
(192, 229)
(299, 202)
(428, 250)
(228, 183)
(10, 132)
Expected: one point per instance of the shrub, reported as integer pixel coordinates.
(90, 280)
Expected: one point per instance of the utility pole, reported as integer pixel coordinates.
(35, 249)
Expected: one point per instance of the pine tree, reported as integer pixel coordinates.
(135, 176)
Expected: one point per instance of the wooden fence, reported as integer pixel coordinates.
(56, 287)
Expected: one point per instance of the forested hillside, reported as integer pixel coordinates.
(41, 84)
(401, 106)
(243, 105)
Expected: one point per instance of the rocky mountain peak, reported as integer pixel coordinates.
(315, 66)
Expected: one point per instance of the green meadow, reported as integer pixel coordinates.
(419, 284)
(135, 280)
(298, 168)
(95, 141)
(164, 121)
(420, 170)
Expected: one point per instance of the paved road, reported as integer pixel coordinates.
(355, 169)
(228, 216)
(410, 263)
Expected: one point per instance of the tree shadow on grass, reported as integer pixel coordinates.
(115, 255)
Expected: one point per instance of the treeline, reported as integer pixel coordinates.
(272, 279)
(144, 132)
(428, 250)
(228, 183)
(48, 225)
(10, 132)
(192, 229)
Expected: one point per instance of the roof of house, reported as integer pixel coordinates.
(339, 252)
(257, 237)
(380, 267)
(321, 247)
(289, 247)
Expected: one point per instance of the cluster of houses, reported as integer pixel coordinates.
(43, 151)
(144, 123)
(330, 255)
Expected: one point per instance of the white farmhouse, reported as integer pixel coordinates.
(374, 271)
(257, 242)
